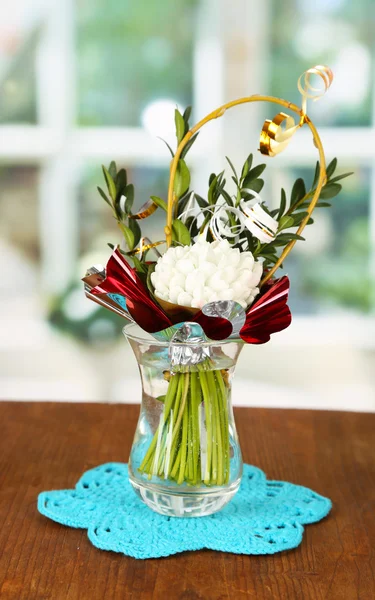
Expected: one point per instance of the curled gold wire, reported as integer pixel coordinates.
(274, 130)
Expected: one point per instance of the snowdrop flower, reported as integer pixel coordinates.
(206, 272)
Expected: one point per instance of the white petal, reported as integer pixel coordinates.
(229, 274)
(184, 299)
(193, 280)
(245, 277)
(247, 262)
(207, 269)
(216, 284)
(255, 279)
(227, 294)
(174, 294)
(185, 266)
(178, 279)
(160, 294)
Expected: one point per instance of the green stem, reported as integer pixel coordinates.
(184, 378)
(215, 422)
(225, 423)
(175, 450)
(183, 447)
(208, 411)
(195, 400)
(218, 409)
(190, 460)
(169, 399)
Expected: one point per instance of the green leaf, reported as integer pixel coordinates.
(286, 222)
(323, 204)
(227, 197)
(256, 186)
(121, 181)
(112, 170)
(136, 231)
(140, 267)
(104, 196)
(282, 204)
(202, 203)
(330, 191)
(247, 166)
(180, 125)
(168, 146)
(110, 184)
(253, 174)
(235, 178)
(189, 145)
(331, 168)
(298, 191)
(211, 178)
(129, 236)
(160, 202)
(245, 169)
(129, 195)
(214, 189)
(180, 233)
(183, 202)
(298, 218)
(186, 116)
(182, 179)
(339, 177)
(289, 236)
(316, 175)
(150, 287)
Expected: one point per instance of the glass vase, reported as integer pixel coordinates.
(185, 459)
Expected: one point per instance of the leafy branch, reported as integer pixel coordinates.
(193, 213)
(120, 197)
(291, 214)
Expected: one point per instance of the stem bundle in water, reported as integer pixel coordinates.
(191, 444)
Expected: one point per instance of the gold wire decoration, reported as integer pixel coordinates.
(147, 209)
(277, 140)
(145, 245)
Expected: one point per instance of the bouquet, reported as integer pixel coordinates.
(211, 278)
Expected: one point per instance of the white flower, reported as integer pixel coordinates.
(206, 272)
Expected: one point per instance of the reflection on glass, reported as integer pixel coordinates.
(130, 54)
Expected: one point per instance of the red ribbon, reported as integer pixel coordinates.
(267, 315)
(122, 279)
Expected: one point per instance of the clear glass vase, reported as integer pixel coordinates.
(185, 460)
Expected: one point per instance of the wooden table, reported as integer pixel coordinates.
(48, 446)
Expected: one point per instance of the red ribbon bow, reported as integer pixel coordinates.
(267, 315)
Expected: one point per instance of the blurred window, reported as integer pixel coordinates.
(338, 33)
(130, 54)
(82, 81)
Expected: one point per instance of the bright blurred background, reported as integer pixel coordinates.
(83, 82)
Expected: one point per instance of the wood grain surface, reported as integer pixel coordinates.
(47, 446)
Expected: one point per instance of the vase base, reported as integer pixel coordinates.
(191, 504)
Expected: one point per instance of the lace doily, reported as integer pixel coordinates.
(264, 517)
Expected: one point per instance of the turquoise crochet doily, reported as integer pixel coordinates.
(264, 517)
